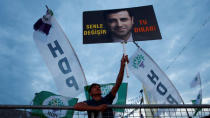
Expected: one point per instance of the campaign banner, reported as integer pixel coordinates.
(59, 57)
(51, 99)
(118, 25)
(120, 98)
(157, 84)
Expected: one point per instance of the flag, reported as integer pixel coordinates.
(156, 82)
(198, 100)
(51, 99)
(59, 56)
(149, 100)
(153, 78)
(120, 98)
(196, 81)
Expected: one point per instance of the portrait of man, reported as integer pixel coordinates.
(119, 24)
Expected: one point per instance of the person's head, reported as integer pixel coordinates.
(119, 22)
(95, 89)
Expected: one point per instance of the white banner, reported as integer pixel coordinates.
(61, 60)
(153, 78)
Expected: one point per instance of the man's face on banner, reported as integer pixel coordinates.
(120, 23)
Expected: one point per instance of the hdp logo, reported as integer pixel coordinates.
(138, 61)
(55, 101)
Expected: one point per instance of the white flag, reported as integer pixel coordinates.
(60, 57)
(196, 81)
(153, 78)
(150, 100)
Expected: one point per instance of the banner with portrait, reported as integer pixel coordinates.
(117, 25)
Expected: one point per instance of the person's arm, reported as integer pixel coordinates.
(82, 106)
(120, 75)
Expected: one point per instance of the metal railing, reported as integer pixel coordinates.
(129, 111)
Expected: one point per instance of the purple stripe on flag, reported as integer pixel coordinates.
(41, 26)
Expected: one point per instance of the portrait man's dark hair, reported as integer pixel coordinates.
(108, 12)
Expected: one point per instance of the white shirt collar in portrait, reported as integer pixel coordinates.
(130, 39)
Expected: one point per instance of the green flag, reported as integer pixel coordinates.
(196, 109)
(121, 95)
(197, 101)
(51, 99)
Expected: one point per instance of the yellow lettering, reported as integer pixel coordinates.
(87, 26)
(94, 32)
(94, 26)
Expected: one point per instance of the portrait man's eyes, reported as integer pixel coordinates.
(124, 19)
(115, 20)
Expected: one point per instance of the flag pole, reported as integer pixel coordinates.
(126, 64)
(200, 90)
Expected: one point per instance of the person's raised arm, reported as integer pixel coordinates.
(120, 75)
(82, 106)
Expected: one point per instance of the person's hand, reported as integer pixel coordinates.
(124, 60)
(102, 107)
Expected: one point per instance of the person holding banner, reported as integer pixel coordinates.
(99, 103)
(120, 24)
